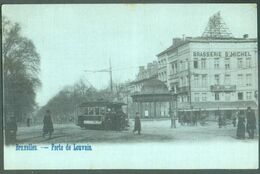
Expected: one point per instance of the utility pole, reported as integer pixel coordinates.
(110, 72)
(189, 78)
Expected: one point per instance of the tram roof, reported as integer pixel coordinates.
(101, 103)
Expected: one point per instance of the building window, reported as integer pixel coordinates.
(204, 96)
(187, 80)
(227, 96)
(184, 81)
(186, 64)
(197, 97)
(249, 80)
(249, 95)
(240, 96)
(173, 69)
(203, 63)
(173, 89)
(184, 98)
(179, 99)
(196, 81)
(217, 96)
(181, 81)
(227, 63)
(216, 63)
(227, 79)
(248, 62)
(181, 66)
(240, 63)
(240, 79)
(188, 98)
(216, 79)
(204, 81)
(195, 63)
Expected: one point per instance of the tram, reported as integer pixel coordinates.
(102, 115)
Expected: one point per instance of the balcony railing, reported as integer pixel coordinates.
(184, 89)
(223, 88)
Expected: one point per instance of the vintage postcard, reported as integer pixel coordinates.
(130, 86)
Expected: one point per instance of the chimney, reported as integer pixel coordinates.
(245, 36)
(141, 68)
(183, 37)
(176, 41)
(149, 65)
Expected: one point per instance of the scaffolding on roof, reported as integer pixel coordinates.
(216, 28)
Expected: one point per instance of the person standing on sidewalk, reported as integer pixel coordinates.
(220, 120)
(137, 124)
(241, 129)
(11, 130)
(173, 119)
(251, 122)
(234, 119)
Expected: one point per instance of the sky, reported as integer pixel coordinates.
(73, 38)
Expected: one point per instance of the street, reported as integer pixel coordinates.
(158, 147)
(152, 131)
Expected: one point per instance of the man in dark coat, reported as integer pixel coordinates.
(220, 120)
(137, 124)
(251, 122)
(11, 129)
(47, 124)
(241, 129)
(28, 121)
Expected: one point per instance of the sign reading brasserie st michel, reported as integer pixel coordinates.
(222, 54)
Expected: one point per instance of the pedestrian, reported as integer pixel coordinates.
(194, 119)
(47, 124)
(197, 115)
(11, 130)
(137, 124)
(28, 122)
(223, 118)
(241, 130)
(173, 120)
(181, 118)
(234, 119)
(251, 122)
(220, 120)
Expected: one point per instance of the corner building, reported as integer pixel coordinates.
(212, 74)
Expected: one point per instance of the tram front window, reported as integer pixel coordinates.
(90, 111)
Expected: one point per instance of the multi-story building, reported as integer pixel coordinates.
(213, 72)
(144, 74)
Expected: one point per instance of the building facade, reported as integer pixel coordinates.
(215, 73)
(144, 74)
(212, 73)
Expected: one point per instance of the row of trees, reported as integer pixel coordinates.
(21, 67)
(63, 104)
